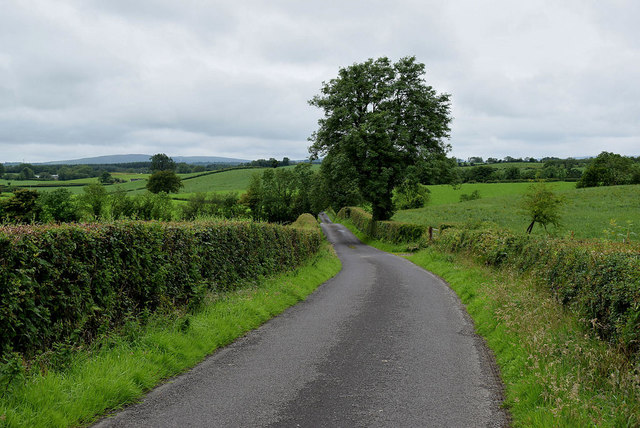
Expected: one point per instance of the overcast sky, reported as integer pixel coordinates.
(232, 78)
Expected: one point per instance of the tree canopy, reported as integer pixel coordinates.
(381, 117)
(164, 181)
(542, 206)
(162, 162)
(610, 169)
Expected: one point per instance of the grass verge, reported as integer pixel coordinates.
(130, 363)
(555, 373)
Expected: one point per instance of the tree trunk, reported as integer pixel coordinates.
(530, 228)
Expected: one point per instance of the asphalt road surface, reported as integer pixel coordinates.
(384, 343)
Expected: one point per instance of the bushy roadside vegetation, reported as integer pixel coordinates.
(133, 359)
(599, 281)
(71, 283)
(389, 231)
(95, 203)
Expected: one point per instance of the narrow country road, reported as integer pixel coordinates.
(383, 344)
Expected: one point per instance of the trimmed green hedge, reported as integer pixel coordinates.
(72, 282)
(598, 280)
(388, 231)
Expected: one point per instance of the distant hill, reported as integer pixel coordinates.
(144, 158)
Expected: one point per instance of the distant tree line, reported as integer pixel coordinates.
(610, 169)
(27, 171)
(622, 170)
(269, 163)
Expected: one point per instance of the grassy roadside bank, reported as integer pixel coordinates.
(555, 372)
(138, 358)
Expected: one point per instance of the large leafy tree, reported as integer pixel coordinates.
(381, 117)
(609, 169)
(164, 178)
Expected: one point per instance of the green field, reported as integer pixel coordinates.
(236, 180)
(587, 213)
(229, 181)
(444, 194)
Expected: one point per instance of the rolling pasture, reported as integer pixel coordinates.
(236, 180)
(586, 213)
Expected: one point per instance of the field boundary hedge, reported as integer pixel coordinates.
(598, 280)
(388, 231)
(69, 283)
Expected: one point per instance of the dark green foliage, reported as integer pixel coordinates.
(252, 198)
(106, 178)
(122, 205)
(470, 196)
(388, 231)
(12, 371)
(164, 181)
(609, 169)
(217, 205)
(599, 280)
(68, 283)
(76, 172)
(57, 206)
(94, 200)
(337, 183)
(409, 195)
(162, 162)
(480, 174)
(381, 118)
(437, 168)
(27, 174)
(512, 173)
(282, 194)
(153, 206)
(22, 207)
(278, 189)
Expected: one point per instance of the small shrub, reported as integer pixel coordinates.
(305, 221)
(542, 206)
(470, 197)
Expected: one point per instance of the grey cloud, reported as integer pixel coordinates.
(233, 78)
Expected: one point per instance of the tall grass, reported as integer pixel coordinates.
(555, 373)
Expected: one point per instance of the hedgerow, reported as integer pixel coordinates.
(599, 280)
(388, 231)
(306, 221)
(71, 282)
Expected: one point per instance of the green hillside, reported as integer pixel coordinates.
(213, 181)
